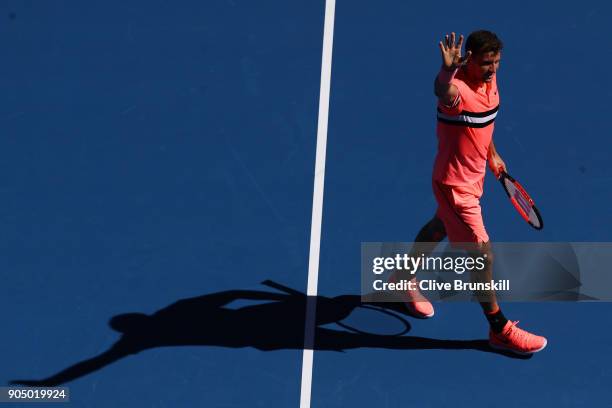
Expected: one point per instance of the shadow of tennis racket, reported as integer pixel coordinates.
(351, 314)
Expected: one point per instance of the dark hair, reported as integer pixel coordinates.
(483, 41)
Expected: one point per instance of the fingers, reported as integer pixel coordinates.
(498, 169)
(449, 42)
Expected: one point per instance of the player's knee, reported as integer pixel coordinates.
(482, 254)
(485, 251)
(436, 229)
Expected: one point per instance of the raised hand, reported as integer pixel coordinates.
(451, 52)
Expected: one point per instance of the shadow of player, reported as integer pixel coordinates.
(276, 324)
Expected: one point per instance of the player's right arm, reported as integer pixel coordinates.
(452, 60)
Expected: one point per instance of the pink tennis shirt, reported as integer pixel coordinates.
(464, 134)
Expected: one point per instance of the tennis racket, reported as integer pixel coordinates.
(351, 314)
(521, 200)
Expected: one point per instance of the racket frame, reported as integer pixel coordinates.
(379, 309)
(502, 177)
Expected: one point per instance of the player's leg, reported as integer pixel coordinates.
(503, 334)
(428, 237)
(487, 299)
(459, 209)
(424, 243)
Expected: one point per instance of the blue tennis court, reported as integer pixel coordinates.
(158, 162)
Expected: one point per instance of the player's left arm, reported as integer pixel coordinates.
(496, 164)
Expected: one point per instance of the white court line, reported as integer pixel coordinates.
(317, 204)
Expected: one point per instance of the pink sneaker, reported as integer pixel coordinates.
(416, 303)
(516, 340)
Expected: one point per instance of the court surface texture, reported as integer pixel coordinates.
(159, 157)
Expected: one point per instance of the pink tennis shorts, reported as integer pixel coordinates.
(459, 209)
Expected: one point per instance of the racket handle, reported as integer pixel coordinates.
(500, 172)
(282, 288)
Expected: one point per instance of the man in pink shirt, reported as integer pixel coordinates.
(468, 101)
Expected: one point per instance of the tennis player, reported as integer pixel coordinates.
(468, 101)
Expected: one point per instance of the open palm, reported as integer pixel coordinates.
(451, 52)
